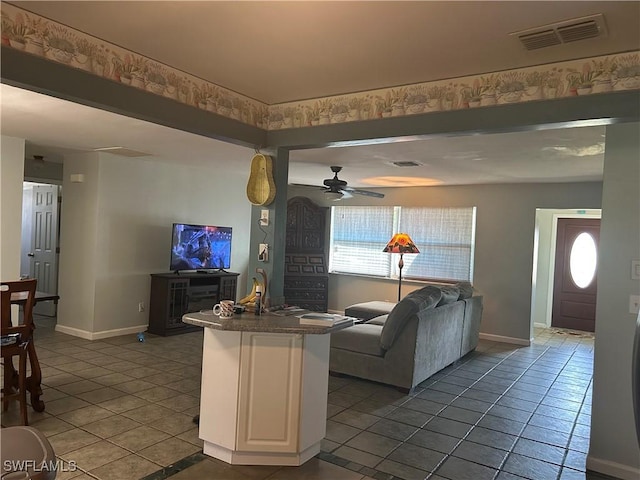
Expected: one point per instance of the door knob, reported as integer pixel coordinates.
(31, 254)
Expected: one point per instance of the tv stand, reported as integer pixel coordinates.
(174, 294)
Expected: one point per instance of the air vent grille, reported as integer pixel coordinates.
(534, 41)
(407, 163)
(562, 32)
(122, 151)
(580, 31)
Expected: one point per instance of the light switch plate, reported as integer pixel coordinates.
(263, 252)
(635, 269)
(634, 303)
(264, 218)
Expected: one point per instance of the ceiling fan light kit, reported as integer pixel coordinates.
(331, 195)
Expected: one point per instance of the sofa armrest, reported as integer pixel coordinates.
(472, 318)
(419, 351)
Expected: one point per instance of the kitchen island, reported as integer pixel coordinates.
(264, 387)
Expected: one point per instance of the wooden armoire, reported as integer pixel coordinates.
(306, 280)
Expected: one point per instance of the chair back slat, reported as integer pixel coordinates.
(26, 289)
(5, 307)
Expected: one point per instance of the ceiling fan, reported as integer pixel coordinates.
(337, 189)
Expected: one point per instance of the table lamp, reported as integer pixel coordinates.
(401, 243)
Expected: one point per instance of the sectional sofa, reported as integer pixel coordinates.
(403, 344)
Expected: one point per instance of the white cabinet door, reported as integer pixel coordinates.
(269, 397)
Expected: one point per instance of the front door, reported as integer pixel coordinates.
(44, 256)
(575, 277)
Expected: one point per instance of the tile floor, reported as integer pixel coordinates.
(121, 409)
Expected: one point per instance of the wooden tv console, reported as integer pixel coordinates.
(175, 294)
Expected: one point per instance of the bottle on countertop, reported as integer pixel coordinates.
(258, 300)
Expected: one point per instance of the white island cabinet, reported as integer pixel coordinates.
(264, 388)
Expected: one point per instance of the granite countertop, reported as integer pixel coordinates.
(268, 323)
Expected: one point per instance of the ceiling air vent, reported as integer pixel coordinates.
(562, 32)
(579, 31)
(122, 151)
(407, 163)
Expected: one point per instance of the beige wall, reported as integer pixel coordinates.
(11, 174)
(614, 447)
(78, 224)
(116, 230)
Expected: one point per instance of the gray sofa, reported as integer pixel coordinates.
(403, 344)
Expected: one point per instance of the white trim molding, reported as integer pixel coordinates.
(512, 340)
(617, 470)
(76, 332)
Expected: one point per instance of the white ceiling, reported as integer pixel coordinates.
(281, 51)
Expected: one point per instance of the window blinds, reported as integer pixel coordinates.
(445, 237)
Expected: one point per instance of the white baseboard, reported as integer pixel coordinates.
(540, 325)
(500, 338)
(613, 469)
(76, 332)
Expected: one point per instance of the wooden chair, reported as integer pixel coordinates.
(15, 342)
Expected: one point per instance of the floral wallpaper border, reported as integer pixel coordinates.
(39, 36)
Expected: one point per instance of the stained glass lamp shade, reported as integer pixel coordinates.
(401, 243)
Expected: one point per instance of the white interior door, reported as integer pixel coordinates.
(44, 246)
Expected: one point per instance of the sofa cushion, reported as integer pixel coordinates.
(368, 310)
(466, 290)
(450, 294)
(378, 320)
(424, 298)
(361, 338)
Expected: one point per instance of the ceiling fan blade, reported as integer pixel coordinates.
(318, 187)
(346, 194)
(368, 193)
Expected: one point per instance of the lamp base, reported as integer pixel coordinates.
(400, 265)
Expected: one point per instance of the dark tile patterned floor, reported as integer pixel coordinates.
(502, 412)
(121, 409)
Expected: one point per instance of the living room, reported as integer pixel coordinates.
(103, 212)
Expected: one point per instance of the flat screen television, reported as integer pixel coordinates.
(200, 247)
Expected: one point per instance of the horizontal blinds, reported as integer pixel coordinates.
(444, 236)
(359, 234)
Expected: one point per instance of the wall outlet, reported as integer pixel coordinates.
(264, 218)
(263, 252)
(634, 303)
(141, 307)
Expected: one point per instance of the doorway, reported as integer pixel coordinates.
(39, 239)
(544, 261)
(575, 274)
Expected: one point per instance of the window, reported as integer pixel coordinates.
(445, 237)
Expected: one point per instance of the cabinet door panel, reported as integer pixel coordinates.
(269, 410)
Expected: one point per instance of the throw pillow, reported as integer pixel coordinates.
(426, 297)
(466, 290)
(450, 294)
